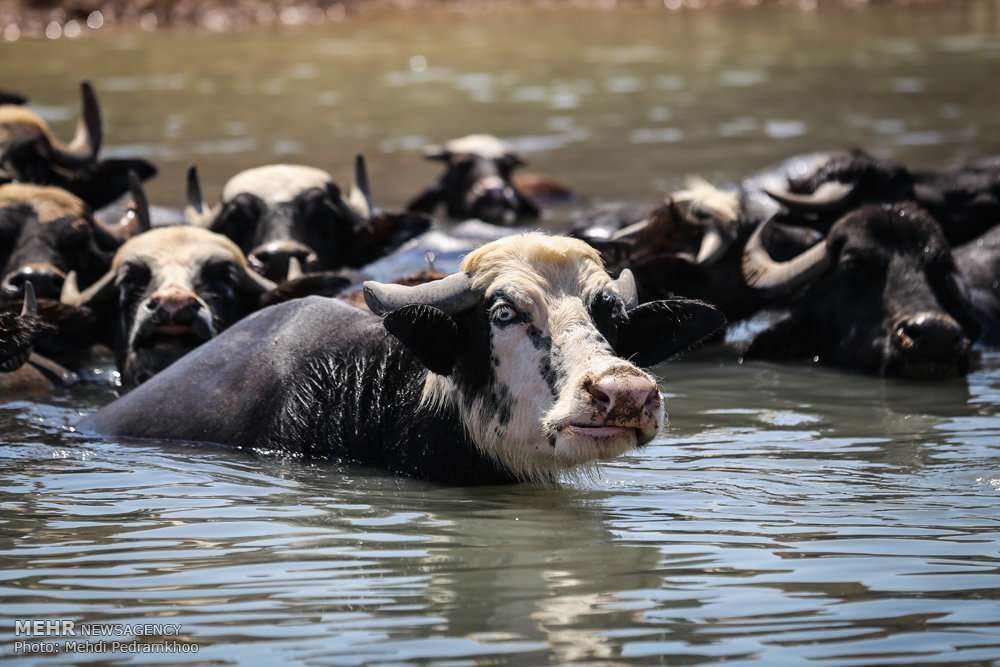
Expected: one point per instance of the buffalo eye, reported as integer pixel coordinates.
(219, 276)
(859, 261)
(133, 278)
(502, 314)
(75, 234)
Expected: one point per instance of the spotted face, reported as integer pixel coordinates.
(535, 365)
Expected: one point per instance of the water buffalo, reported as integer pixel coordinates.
(30, 153)
(964, 200)
(979, 262)
(284, 216)
(880, 294)
(692, 246)
(167, 291)
(46, 232)
(522, 365)
(477, 182)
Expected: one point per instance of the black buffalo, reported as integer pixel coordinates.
(46, 232)
(30, 153)
(477, 182)
(293, 218)
(818, 189)
(516, 368)
(880, 294)
(692, 246)
(979, 262)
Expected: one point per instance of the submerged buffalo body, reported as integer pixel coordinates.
(880, 294)
(514, 369)
(30, 153)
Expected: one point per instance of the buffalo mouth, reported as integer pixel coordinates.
(171, 337)
(598, 432)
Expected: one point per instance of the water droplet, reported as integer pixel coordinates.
(418, 63)
(95, 20)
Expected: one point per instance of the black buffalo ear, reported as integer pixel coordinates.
(659, 330)
(102, 183)
(429, 333)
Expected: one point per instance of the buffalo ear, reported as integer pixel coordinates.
(659, 330)
(102, 183)
(429, 333)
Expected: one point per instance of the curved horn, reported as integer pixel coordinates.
(762, 272)
(256, 283)
(829, 196)
(87, 141)
(72, 296)
(630, 230)
(360, 198)
(138, 209)
(627, 289)
(451, 294)
(30, 307)
(197, 212)
(714, 245)
(294, 269)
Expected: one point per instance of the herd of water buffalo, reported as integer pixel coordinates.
(482, 353)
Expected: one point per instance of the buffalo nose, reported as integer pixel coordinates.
(47, 280)
(623, 393)
(173, 305)
(272, 259)
(930, 336)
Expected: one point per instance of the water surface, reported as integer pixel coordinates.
(789, 515)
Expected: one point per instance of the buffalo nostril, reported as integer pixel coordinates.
(930, 335)
(653, 399)
(47, 282)
(599, 396)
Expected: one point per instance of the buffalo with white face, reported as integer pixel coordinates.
(168, 290)
(478, 182)
(31, 153)
(525, 364)
(293, 218)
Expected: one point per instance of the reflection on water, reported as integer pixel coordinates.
(789, 514)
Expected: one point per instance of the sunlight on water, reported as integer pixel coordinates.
(788, 515)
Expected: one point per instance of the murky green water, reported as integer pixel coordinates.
(788, 515)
